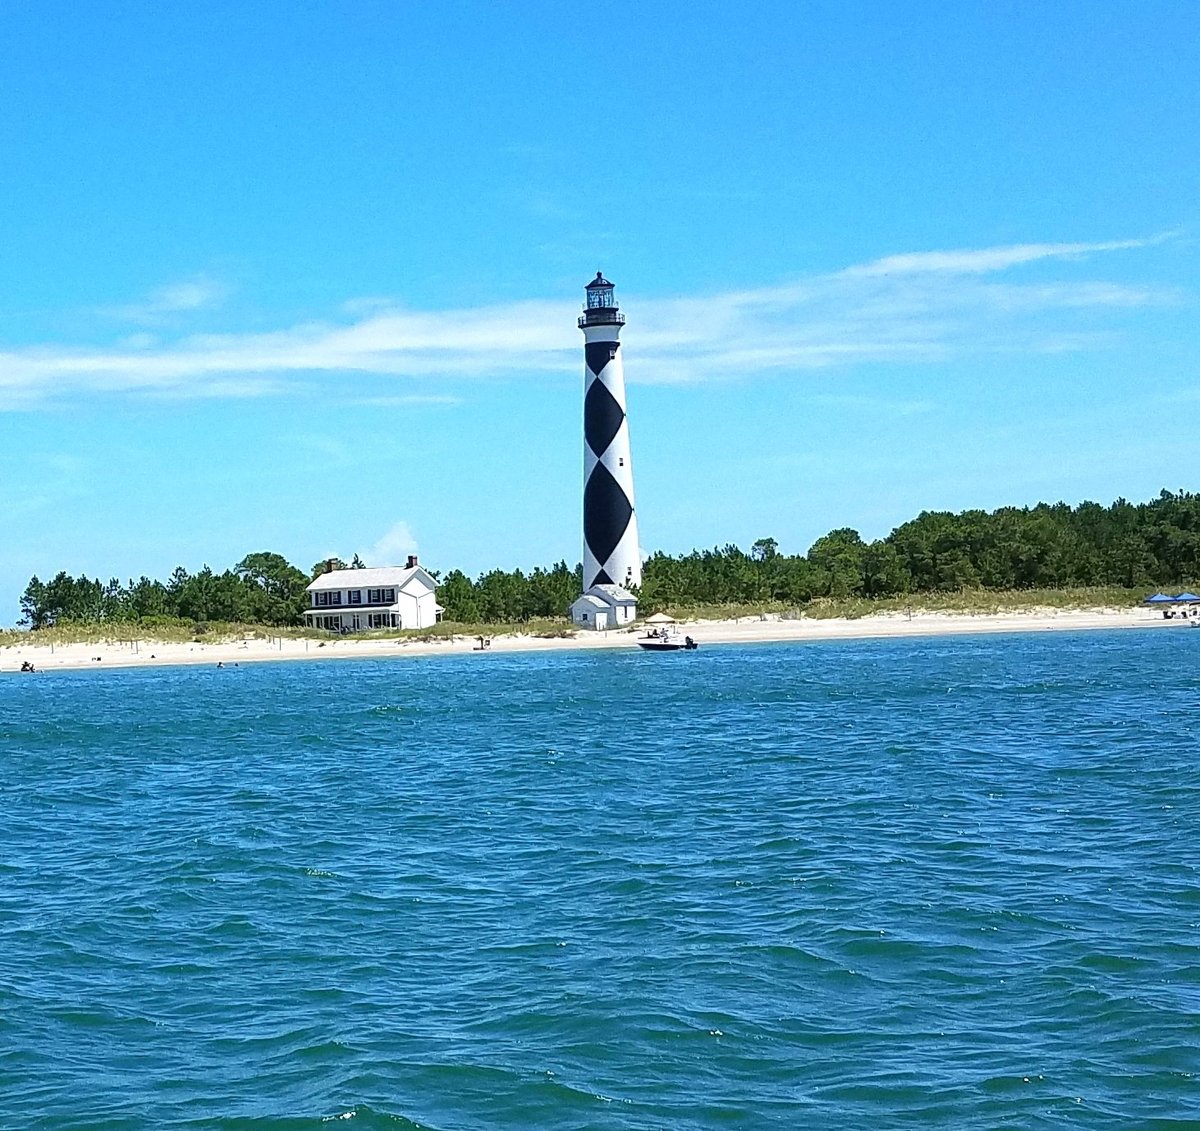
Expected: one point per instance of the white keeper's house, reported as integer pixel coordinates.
(604, 606)
(354, 600)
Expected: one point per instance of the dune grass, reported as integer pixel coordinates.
(546, 627)
(172, 631)
(966, 602)
(166, 630)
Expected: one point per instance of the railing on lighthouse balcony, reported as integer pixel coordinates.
(601, 308)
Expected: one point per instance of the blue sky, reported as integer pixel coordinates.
(304, 277)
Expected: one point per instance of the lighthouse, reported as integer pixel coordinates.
(611, 560)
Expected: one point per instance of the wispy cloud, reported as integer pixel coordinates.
(925, 306)
(180, 297)
(982, 260)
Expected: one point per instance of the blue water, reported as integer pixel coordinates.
(940, 883)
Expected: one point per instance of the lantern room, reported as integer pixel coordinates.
(601, 307)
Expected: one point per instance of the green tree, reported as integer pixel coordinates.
(281, 588)
(457, 596)
(838, 556)
(764, 550)
(883, 574)
(34, 610)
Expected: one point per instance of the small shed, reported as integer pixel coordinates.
(604, 606)
(589, 611)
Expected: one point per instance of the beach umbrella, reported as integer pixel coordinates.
(660, 618)
(1160, 599)
(1187, 597)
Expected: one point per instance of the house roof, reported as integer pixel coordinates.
(613, 594)
(375, 578)
(592, 602)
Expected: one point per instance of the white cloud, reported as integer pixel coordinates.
(925, 306)
(393, 548)
(981, 260)
(190, 294)
(180, 297)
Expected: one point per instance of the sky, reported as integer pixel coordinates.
(304, 277)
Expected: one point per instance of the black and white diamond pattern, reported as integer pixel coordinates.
(606, 513)
(607, 503)
(602, 417)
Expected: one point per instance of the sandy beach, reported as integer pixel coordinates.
(745, 630)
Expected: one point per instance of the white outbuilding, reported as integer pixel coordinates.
(354, 600)
(604, 606)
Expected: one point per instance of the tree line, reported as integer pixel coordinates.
(1052, 546)
(263, 588)
(1048, 546)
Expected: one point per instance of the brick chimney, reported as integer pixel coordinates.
(412, 562)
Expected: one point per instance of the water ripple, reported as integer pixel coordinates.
(945, 882)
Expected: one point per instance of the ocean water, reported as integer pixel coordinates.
(937, 883)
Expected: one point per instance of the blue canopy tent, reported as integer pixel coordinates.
(1170, 605)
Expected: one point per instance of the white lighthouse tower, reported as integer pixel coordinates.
(611, 559)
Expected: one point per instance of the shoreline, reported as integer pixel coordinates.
(768, 628)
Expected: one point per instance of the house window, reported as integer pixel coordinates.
(381, 596)
(354, 597)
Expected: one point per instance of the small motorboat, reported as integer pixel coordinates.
(666, 641)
